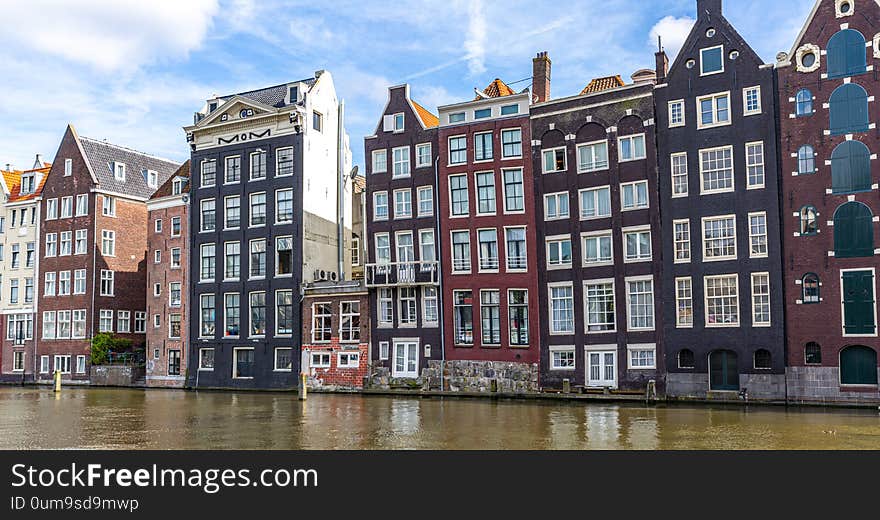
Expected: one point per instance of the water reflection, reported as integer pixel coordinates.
(122, 419)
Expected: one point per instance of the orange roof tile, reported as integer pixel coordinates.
(496, 89)
(606, 83)
(428, 119)
(11, 178)
(15, 184)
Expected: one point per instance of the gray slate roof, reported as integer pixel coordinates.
(271, 96)
(101, 156)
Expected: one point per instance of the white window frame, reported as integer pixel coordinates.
(545, 151)
(595, 193)
(640, 256)
(558, 239)
(559, 349)
(678, 103)
(634, 185)
(557, 196)
(752, 236)
(419, 148)
(586, 296)
(449, 151)
(715, 121)
(645, 347)
(673, 174)
(629, 313)
(723, 65)
(395, 162)
(703, 190)
(762, 164)
(676, 241)
(755, 322)
(398, 214)
(387, 205)
(593, 235)
(679, 322)
(420, 191)
(592, 146)
(708, 325)
(745, 92)
(550, 323)
(704, 241)
(632, 138)
(383, 153)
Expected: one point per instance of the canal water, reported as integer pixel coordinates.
(35, 418)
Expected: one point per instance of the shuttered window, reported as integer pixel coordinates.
(858, 303)
(853, 231)
(858, 366)
(846, 54)
(849, 110)
(851, 168)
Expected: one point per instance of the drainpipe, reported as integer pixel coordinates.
(439, 255)
(340, 192)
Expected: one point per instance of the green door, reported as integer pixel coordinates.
(723, 370)
(858, 366)
(858, 303)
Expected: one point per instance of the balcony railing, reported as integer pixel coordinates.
(403, 274)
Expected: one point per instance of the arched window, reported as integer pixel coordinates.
(813, 353)
(858, 366)
(810, 287)
(851, 168)
(849, 109)
(685, 358)
(806, 160)
(763, 359)
(804, 103)
(853, 231)
(846, 54)
(809, 221)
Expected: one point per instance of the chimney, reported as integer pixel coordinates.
(38, 162)
(662, 62)
(708, 8)
(541, 77)
(9, 167)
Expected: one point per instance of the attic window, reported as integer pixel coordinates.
(712, 60)
(509, 110)
(152, 179)
(177, 187)
(483, 113)
(119, 171)
(399, 122)
(212, 106)
(28, 184)
(68, 167)
(317, 121)
(458, 117)
(294, 94)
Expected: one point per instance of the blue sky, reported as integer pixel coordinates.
(133, 72)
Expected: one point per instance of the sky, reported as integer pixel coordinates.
(133, 72)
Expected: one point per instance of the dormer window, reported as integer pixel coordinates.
(177, 187)
(152, 179)
(293, 95)
(119, 171)
(212, 106)
(398, 122)
(28, 184)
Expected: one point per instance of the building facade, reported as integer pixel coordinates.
(828, 148)
(402, 269)
(93, 254)
(599, 237)
(267, 199)
(168, 309)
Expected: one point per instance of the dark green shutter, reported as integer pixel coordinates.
(846, 54)
(849, 110)
(851, 168)
(853, 231)
(858, 366)
(858, 302)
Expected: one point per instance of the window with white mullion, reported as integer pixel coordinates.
(679, 174)
(755, 165)
(758, 247)
(599, 306)
(760, 299)
(592, 157)
(684, 303)
(716, 170)
(719, 238)
(682, 238)
(722, 301)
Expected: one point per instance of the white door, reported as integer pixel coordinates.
(602, 369)
(406, 359)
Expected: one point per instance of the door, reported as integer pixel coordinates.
(173, 362)
(406, 359)
(602, 369)
(858, 366)
(858, 303)
(723, 371)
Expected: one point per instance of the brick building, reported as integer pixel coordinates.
(93, 254)
(829, 142)
(167, 282)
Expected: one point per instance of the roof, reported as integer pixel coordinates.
(166, 189)
(272, 96)
(606, 83)
(11, 178)
(360, 184)
(428, 119)
(15, 187)
(496, 89)
(101, 155)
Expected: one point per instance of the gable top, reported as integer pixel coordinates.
(424, 116)
(812, 16)
(101, 155)
(496, 88)
(601, 84)
(167, 188)
(276, 96)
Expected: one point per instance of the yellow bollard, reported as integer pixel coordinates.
(303, 390)
(57, 381)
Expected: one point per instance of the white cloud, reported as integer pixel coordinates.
(674, 32)
(477, 37)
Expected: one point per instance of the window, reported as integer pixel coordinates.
(13, 291)
(490, 317)
(258, 258)
(558, 252)
(461, 252)
(349, 322)
(320, 360)
(642, 357)
(810, 288)
(562, 358)
(483, 147)
(518, 317)
(48, 325)
(430, 306)
(561, 309)
(380, 205)
(401, 162)
(232, 261)
(405, 250)
(81, 238)
(68, 167)
(426, 201)
(258, 165)
(383, 248)
(511, 143)
(406, 359)
(233, 213)
(676, 113)
(402, 204)
(386, 307)
(284, 206)
(174, 294)
(284, 256)
(423, 155)
(682, 239)
(18, 361)
(514, 198)
(517, 256)
(483, 113)
(637, 244)
(813, 353)
(595, 203)
(851, 168)
(62, 364)
(592, 156)
(458, 117)
(175, 258)
(716, 170)
(509, 110)
(463, 314)
(258, 209)
(846, 54)
(760, 299)
(684, 303)
(157, 321)
(458, 194)
(64, 283)
(44, 364)
(599, 303)
(105, 323)
(751, 101)
(554, 160)
(157, 289)
(119, 171)
(758, 235)
(719, 238)
(207, 315)
(174, 362)
(51, 210)
(427, 251)
(640, 301)
(123, 322)
(488, 239)
(631, 148)
(232, 315)
(140, 323)
(284, 317)
(853, 231)
(49, 285)
(722, 304)
(243, 368)
(82, 205)
(755, 165)
(209, 173)
(806, 160)
(232, 172)
(849, 110)
(407, 300)
(714, 110)
(804, 103)
(712, 60)
(107, 282)
(258, 314)
(209, 215)
(348, 360)
(457, 150)
(66, 245)
(686, 358)
(634, 195)
(66, 207)
(598, 248)
(16, 255)
(399, 121)
(208, 262)
(859, 303)
(556, 206)
(485, 193)
(380, 161)
(284, 157)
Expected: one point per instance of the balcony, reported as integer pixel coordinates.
(403, 274)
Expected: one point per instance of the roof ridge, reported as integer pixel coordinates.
(130, 150)
(269, 87)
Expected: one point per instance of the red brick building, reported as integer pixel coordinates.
(487, 226)
(336, 334)
(93, 251)
(167, 279)
(828, 146)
